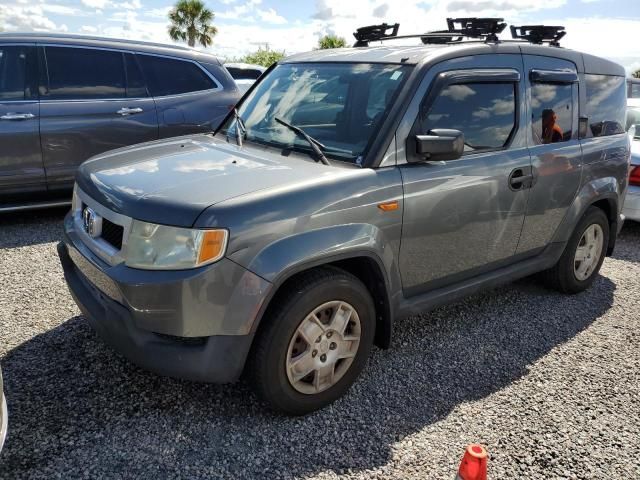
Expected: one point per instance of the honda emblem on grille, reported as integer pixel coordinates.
(92, 222)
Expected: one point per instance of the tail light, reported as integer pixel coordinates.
(634, 175)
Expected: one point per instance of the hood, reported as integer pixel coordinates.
(172, 181)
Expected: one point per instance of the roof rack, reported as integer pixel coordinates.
(483, 28)
(539, 34)
(373, 33)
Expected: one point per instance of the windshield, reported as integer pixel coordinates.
(341, 105)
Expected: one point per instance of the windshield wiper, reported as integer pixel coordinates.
(241, 130)
(315, 144)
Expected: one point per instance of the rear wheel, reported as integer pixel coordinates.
(315, 341)
(581, 261)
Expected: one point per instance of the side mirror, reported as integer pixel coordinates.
(439, 144)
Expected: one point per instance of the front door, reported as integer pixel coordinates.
(92, 100)
(464, 217)
(21, 169)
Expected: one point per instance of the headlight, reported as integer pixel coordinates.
(159, 247)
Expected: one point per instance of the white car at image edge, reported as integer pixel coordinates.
(632, 201)
(3, 414)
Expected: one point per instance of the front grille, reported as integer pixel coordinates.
(112, 233)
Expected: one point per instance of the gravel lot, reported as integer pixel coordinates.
(549, 383)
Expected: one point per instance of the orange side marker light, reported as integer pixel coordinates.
(389, 206)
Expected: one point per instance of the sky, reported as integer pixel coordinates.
(608, 28)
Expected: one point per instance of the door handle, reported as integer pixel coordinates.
(17, 116)
(128, 111)
(520, 178)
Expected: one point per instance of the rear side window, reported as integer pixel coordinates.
(551, 112)
(606, 104)
(484, 112)
(17, 73)
(166, 76)
(83, 73)
(634, 90)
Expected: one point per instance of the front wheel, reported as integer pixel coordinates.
(315, 342)
(581, 261)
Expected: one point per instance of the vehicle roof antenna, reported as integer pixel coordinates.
(373, 33)
(539, 34)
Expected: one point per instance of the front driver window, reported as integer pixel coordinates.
(484, 112)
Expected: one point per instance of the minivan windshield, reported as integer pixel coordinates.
(341, 105)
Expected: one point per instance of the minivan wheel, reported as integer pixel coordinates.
(581, 261)
(315, 341)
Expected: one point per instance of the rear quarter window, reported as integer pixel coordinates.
(606, 104)
(167, 76)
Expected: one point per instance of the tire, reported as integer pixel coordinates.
(280, 342)
(566, 276)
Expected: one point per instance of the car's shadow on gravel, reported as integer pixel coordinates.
(78, 408)
(16, 228)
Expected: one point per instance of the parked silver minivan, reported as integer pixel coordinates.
(65, 98)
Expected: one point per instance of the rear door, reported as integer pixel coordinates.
(21, 169)
(92, 100)
(556, 155)
(189, 99)
(463, 217)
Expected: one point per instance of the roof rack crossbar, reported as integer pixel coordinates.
(373, 33)
(539, 34)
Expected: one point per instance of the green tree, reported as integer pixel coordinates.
(263, 56)
(191, 22)
(636, 74)
(331, 41)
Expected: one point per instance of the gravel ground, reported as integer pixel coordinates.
(549, 383)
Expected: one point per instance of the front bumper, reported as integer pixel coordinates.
(631, 208)
(196, 324)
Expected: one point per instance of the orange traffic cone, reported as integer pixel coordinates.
(474, 464)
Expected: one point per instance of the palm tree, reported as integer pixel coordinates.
(191, 21)
(636, 74)
(331, 41)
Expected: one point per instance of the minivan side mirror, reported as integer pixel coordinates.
(438, 145)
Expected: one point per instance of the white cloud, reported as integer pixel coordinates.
(98, 4)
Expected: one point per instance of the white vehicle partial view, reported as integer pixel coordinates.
(632, 201)
(245, 74)
(4, 417)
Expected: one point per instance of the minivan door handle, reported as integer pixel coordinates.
(129, 111)
(521, 178)
(17, 116)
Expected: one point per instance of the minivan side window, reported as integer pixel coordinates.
(551, 112)
(606, 104)
(484, 112)
(83, 73)
(136, 87)
(168, 76)
(18, 77)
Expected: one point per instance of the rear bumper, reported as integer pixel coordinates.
(196, 324)
(631, 208)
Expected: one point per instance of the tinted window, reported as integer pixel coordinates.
(484, 112)
(551, 112)
(634, 90)
(17, 73)
(136, 87)
(244, 73)
(83, 73)
(606, 104)
(167, 76)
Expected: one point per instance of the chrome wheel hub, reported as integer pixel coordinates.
(323, 347)
(588, 252)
